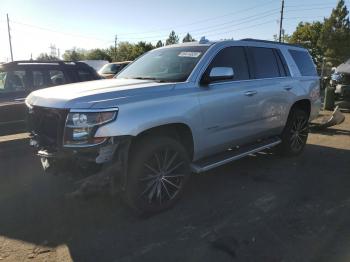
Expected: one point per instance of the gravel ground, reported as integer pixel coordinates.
(261, 208)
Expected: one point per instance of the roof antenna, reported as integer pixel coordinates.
(203, 40)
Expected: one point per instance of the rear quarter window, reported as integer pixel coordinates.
(57, 77)
(304, 62)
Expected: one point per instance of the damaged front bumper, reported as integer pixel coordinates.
(63, 159)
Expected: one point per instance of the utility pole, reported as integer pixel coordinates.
(8, 29)
(115, 48)
(53, 50)
(281, 22)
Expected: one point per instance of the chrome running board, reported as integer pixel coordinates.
(207, 164)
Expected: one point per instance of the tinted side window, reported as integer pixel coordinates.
(3, 76)
(115, 68)
(38, 79)
(232, 57)
(13, 81)
(264, 62)
(85, 75)
(284, 71)
(57, 77)
(304, 62)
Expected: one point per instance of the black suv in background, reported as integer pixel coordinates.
(18, 79)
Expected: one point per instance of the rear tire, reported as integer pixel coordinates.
(295, 133)
(159, 168)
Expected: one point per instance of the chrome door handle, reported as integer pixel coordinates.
(288, 88)
(250, 93)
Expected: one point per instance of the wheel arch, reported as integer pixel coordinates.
(179, 131)
(304, 104)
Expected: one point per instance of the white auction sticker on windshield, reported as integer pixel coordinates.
(190, 54)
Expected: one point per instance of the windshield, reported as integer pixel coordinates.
(173, 64)
(110, 69)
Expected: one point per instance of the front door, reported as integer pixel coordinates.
(229, 108)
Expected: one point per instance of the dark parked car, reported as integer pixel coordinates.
(18, 79)
(111, 69)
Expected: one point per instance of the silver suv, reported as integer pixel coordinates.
(176, 110)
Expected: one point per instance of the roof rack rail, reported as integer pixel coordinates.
(269, 42)
(59, 62)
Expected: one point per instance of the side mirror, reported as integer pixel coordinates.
(217, 74)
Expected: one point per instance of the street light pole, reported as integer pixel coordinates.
(115, 48)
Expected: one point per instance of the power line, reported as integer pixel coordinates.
(303, 17)
(322, 6)
(202, 30)
(154, 37)
(244, 22)
(243, 28)
(249, 19)
(59, 32)
(308, 9)
(309, 5)
(201, 21)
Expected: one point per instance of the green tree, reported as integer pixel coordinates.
(125, 51)
(46, 57)
(308, 36)
(172, 39)
(74, 54)
(98, 54)
(159, 44)
(329, 39)
(335, 35)
(140, 48)
(188, 38)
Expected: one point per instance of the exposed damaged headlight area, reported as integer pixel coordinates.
(81, 127)
(46, 126)
(61, 134)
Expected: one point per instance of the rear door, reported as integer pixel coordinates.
(273, 84)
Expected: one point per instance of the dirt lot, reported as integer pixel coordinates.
(262, 208)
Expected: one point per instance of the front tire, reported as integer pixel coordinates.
(295, 133)
(159, 168)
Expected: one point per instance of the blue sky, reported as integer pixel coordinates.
(35, 24)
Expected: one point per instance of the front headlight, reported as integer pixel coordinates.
(81, 126)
